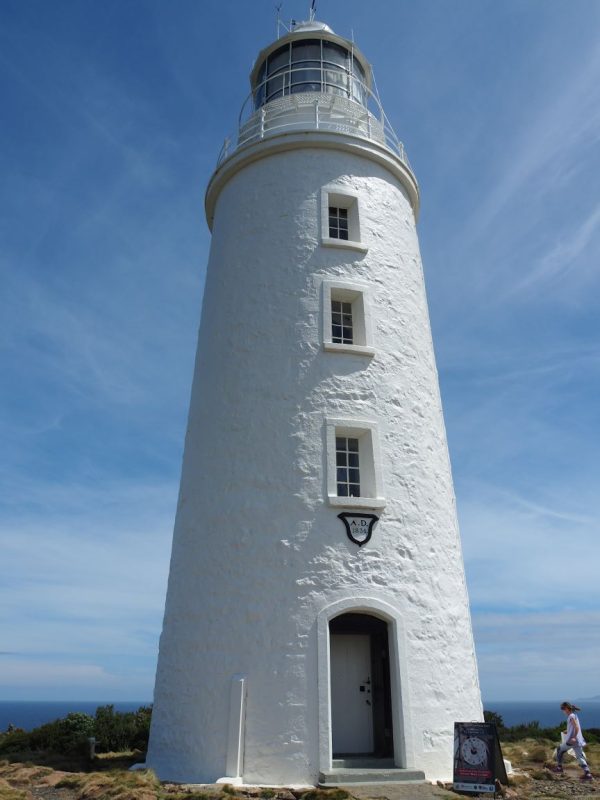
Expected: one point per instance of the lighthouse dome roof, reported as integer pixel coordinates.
(311, 26)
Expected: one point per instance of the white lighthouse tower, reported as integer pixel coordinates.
(317, 625)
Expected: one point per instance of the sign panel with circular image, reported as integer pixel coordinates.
(478, 761)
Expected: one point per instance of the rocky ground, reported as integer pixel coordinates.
(38, 777)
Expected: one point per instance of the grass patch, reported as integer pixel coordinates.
(62, 762)
(168, 793)
(539, 775)
(539, 754)
(70, 782)
(8, 793)
(117, 785)
(517, 780)
(22, 774)
(326, 794)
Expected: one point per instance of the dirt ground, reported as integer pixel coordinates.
(37, 777)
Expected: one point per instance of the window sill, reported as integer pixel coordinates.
(356, 502)
(326, 241)
(353, 349)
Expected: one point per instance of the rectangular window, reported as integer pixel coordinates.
(340, 218)
(341, 322)
(347, 466)
(338, 223)
(353, 465)
(346, 323)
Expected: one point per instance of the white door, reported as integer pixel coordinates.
(351, 709)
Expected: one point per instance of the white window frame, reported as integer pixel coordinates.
(348, 450)
(358, 296)
(340, 197)
(371, 481)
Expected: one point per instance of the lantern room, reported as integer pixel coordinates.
(311, 58)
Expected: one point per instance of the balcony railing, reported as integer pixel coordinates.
(330, 109)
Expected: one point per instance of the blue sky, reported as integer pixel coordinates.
(113, 116)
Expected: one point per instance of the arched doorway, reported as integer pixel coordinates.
(361, 697)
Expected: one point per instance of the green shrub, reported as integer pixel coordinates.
(592, 735)
(14, 742)
(496, 719)
(531, 730)
(116, 731)
(68, 735)
(113, 731)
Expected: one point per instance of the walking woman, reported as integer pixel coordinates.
(574, 739)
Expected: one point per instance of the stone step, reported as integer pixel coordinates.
(370, 762)
(339, 776)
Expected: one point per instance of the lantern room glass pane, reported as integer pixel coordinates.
(308, 50)
(306, 80)
(275, 87)
(335, 82)
(279, 60)
(335, 54)
(358, 83)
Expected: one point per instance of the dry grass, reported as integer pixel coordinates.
(530, 753)
(7, 792)
(172, 792)
(22, 774)
(540, 754)
(117, 785)
(534, 780)
(107, 778)
(325, 794)
(108, 784)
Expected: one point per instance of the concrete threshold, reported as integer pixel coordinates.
(340, 776)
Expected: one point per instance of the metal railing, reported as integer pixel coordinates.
(332, 109)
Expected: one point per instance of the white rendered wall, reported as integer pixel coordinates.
(260, 561)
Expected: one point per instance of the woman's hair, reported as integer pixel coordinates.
(569, 707)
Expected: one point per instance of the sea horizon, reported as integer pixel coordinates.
(29, 714)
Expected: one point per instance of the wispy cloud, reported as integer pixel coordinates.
(22, 673)
(85, 571)
(556, 131)
(530, 555)
(562, 258)
(530, 656)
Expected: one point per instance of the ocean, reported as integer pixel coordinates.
(548, 714)
(30, 714)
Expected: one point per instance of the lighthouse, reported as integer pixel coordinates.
(317, 625)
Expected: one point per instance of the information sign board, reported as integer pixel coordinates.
(478, 759)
